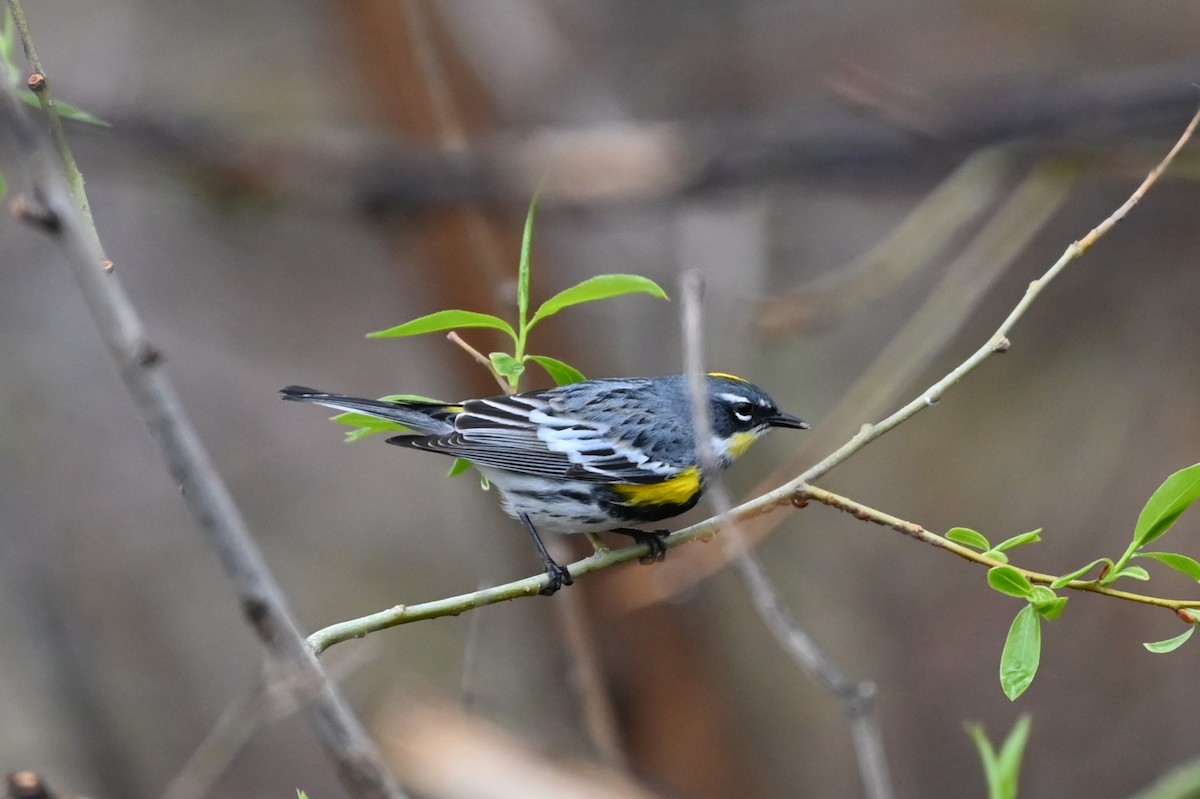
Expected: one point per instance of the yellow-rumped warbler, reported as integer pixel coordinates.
(588, 457)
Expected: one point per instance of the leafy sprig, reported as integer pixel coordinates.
(1022, 647)
(1003, 768)
(507, 367)
(510, 366)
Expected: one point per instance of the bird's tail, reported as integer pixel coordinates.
(422, 416)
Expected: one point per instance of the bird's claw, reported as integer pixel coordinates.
(558, 576)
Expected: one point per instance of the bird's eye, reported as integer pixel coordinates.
(744, 411)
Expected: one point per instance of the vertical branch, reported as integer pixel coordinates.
(54, 209)
(856, 700)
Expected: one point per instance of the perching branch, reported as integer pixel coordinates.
(57, 205)
(795, 491)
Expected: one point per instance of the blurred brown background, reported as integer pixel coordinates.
(278, 181)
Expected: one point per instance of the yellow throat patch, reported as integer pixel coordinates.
(740, 442)
(679, 490)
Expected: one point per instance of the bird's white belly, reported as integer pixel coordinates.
(557, 506)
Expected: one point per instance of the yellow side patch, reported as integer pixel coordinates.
(728, 376)
(679, 490)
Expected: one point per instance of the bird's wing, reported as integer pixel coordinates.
(527, 434)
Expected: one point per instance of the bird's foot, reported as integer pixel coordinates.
(654, 539)
(559, 576)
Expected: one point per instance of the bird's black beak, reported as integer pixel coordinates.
(781, 419)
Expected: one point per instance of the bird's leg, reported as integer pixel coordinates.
(558, 574)
(651, 538)
(597, 542)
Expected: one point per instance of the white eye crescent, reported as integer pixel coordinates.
(743, 412)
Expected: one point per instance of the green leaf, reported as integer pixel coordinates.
(459, 466)
(1052, 609)
(445, 320)
(1002, 771)
(507, 366)
(599, 287)
(1014, 747)
(996, 554)
(1007, 580)
(1041, 593)
(360, 433)
(1011, 754)
(1061, 582)
(301, 794)
(1017, 540)
(64, 109)
(968, 537)
(370, 425)
(70, 111)
(1171, 644)
(413, 398)
(987, 754)
(1136, 572)
(1172, 498)
(523, 268)
(1022, 652)
(563, 374)
(1180, 563)
(2, 186)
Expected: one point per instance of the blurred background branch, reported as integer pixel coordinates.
(1101, 120)
(66, 219)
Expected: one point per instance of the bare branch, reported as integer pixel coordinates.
(140, 366)
(1094, 235)
(856, 700)
(481, 359)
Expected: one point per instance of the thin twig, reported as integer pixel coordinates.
(914, 530)
(266, 701)
(140, 366)
(785, 494)
(1097, 232)
(228, 736)
(57, 135)
(482, 359)
(855, 700)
